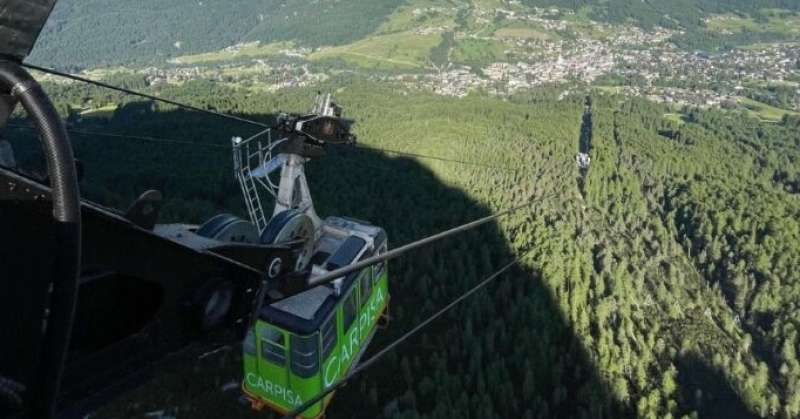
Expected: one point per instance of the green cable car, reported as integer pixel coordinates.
(305, 343)
(300, 345)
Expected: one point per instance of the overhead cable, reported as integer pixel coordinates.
(391, 254)
(132, 137)
(144, 95)
(380, 354)
(211, 145)
(438, 158)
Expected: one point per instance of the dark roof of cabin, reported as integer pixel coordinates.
(305, 325)
(304, 313)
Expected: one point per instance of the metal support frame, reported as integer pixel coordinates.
(247, 155)
(255, 159)
(293, 191)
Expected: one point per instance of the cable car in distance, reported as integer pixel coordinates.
(301, 344)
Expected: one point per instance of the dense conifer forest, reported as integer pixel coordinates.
(84, 33)
(663, 284)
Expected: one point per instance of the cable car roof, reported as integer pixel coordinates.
(345, 241)
(303, 320)
(306, 304)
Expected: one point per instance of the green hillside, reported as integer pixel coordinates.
(663, 284)
(90, 33)
(684, 13)
(692, 16)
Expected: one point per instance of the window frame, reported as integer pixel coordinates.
(298, 368)
(249, 345)
(354, 296)
(272, 350)
(325, 352)
(365, 285)
(379, 268)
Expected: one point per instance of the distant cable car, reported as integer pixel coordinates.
(301, 345)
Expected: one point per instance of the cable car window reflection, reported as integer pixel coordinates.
(250, 343)
(272, 345)
(328, 128)
(305, 355)
(366, 285)
(350, 308)
(328, 336)
(377, 269)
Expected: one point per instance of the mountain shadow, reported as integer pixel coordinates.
(507, 351)
(706, 390)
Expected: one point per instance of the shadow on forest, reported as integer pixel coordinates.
(507, 350)
(706, 389)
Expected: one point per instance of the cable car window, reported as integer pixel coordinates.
(349, 309)
(328, 336)
(305, 355)
(377, 269)
(273, 348)
(366, 285)
(250, 343)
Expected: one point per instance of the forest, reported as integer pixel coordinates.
(661, 285)
(87, 33)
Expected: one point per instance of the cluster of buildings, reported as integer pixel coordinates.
(290, 75)
(692, 97)
(584, 63)
(648, 60)
(268, 76)
(546, 18)
(177, 75)
(430, 11)
(558, 49)
(774, 63)
(455, 81)
(297, 52)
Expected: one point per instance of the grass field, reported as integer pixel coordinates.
(522, 33)
(393, 51)
(582, 23)
(249, 50)
(764, 45)
(477, 51)
(763, 111)
(674, 117)
(778, 21)
(101, 112)
(429, 13)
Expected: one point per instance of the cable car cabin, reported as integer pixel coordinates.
(305, 343)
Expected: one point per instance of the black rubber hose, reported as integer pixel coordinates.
(57, 148)
(66, 212)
